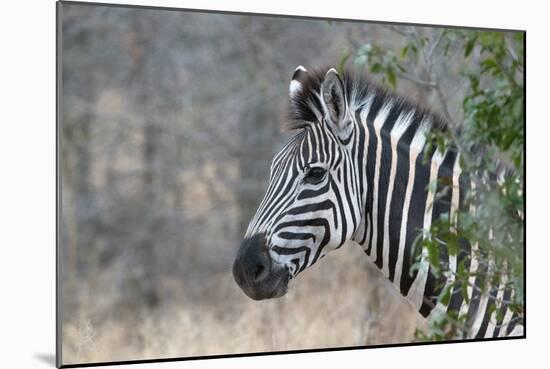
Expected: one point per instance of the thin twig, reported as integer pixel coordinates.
(513, 54)
(396, 30)
(456, 89)
(414, 79)
(435, 44)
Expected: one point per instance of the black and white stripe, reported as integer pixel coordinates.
(357, 170)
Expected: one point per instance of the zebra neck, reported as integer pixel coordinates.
(397, 204)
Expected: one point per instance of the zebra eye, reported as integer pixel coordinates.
(315, 175)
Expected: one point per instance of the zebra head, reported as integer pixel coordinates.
(313, 202)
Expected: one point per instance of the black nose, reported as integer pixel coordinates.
(252, 264)
(255, 272)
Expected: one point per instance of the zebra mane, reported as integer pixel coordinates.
(305, 106)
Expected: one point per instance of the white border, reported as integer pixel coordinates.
(27, 221)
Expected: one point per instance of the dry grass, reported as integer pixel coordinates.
(341, 301)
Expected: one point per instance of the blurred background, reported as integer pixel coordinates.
(169, 122)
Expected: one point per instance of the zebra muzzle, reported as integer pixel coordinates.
(256, 273)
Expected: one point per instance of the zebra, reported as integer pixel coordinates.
(356, 170)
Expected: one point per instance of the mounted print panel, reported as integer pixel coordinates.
(209, 161)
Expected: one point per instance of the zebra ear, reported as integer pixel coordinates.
(334, 99)
(297, 80)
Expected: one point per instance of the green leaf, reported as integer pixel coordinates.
(445, 295)
(343, 62)
(489, 64)
(404, 51)
(470, 43)
(376, 68)
(392, 78)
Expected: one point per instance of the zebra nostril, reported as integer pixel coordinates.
(252, 265)
(259, 272)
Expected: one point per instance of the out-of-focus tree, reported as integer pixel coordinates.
(169, 122)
